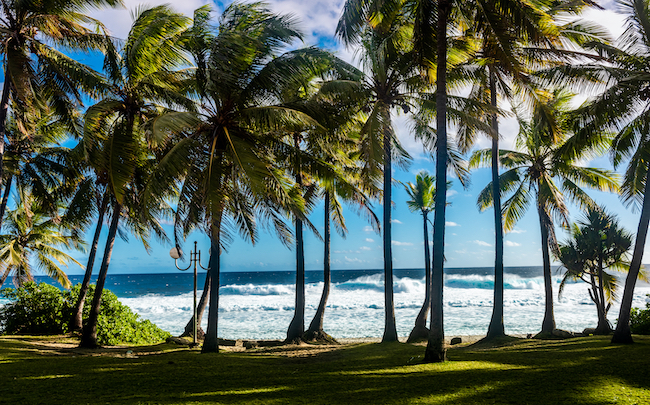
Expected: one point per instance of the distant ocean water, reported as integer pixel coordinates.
(259, 305)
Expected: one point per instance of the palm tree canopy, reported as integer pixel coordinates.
(32, 236)
(532, 172)
(596, 240)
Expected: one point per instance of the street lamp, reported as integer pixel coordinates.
(195, 258)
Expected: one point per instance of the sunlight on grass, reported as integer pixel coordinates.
(463, 395)
(614, 390)
(47, 377)
(247, 391)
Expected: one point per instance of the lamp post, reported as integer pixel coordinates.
(195, 258)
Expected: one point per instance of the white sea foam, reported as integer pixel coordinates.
(356, 307)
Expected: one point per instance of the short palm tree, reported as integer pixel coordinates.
(597, 243)
(531, 178)
(33, 237)
(141, 85)
(422, 195)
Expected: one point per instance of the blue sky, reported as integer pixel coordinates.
(470, 234)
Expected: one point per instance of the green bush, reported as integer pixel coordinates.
(35, 309)
(43, 309)
(640, 320)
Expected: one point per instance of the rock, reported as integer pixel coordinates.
(456, 340)
(589, 331)
(178, 340)
(564, 334)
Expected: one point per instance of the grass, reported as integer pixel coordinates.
(573, 371)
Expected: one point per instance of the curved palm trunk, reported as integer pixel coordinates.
(200, 309)
(5, 199)
(548, 324)
(297, 325)
(211, 342)
(603, 327)
(622, 333)
(77, 315)
(89, 336)
(315, 330)
(496, 328)
(390, 328)
(420, 330)
(435, 351)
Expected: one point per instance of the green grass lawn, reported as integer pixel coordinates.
(574, 371)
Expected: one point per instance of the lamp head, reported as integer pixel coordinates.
(175, 253)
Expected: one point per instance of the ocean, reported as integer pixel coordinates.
(260, 305)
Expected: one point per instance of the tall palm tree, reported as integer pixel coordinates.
(139, 76)
(224, 158)
(531, 177)
(383, 30)
(623, 108)
(597, 243)
(28, 32)
(34, 237)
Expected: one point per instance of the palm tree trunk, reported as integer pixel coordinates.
(89, 336)
(200, 309)
(211, 341)
(603, 327)
(5, 199)
(76, 321)
(5, 275)
(435, 351)
(4, 107)
(623, 334)
(297, 325)
(420, 330)
(390, 328)
(315, 330)
(496, 328)
(548, 324)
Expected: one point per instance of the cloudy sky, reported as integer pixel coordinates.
(470, 235)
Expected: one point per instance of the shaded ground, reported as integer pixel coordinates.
(576, 371)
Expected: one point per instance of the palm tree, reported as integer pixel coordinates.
(28, 30)
(225, 157)
(532, 174)
(34, 237)
(388, 59)
(597, 243)
(622, 108)
(422, 195)
(115, 128)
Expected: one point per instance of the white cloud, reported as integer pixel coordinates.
(398, 243)
(481, 243)
(364, 248)
(353, 260)
(449, 223)
(395, 221)
(369, 240)
(451, 193)
(368, 229)
(512, 244)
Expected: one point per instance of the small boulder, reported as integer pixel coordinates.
(456, 340)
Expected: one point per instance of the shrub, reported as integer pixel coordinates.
(640, 320)
(44, 309)
(36, 309)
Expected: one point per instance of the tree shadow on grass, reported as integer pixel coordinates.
(572, 371)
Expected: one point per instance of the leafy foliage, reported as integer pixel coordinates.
(44, 309)
(640, 319)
